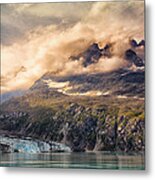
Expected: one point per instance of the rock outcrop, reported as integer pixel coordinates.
(131, 56)
(81, 128)
(86, 112)
(134, 43)
(92, 54)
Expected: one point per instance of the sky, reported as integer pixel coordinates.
(18, 19)
(38, 38)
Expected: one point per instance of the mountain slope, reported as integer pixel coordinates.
(120, 82)
(88, 111)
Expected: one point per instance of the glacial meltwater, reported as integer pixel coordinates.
(99, 160)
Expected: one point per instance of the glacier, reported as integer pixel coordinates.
(28, 145)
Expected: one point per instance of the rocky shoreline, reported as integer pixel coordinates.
(80, 128)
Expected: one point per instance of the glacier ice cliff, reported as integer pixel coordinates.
(28, 145)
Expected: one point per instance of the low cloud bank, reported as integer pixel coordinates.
(49, 48)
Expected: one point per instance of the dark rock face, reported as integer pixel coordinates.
(131, 56)
(133, 77)
(106, 51)
(81, 128)
(93, 54)
(132, 83)
(142, 43)
(82, 136)
(90, 56)
(5, 148)
(134, 43)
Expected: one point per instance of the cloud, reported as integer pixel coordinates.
(18, 19)
(48, 47)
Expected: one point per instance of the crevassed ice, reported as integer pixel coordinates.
(32, 146)
(28, 146)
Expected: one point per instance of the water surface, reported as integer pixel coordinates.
(84, 160)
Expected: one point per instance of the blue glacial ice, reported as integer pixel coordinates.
(32, 146)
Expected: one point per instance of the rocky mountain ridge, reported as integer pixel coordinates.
(87, 112)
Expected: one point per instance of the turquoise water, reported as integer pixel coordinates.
(84, 160)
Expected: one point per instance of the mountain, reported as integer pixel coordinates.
(6, 96)
(89, 111)
(121, 82)
(92, 54)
